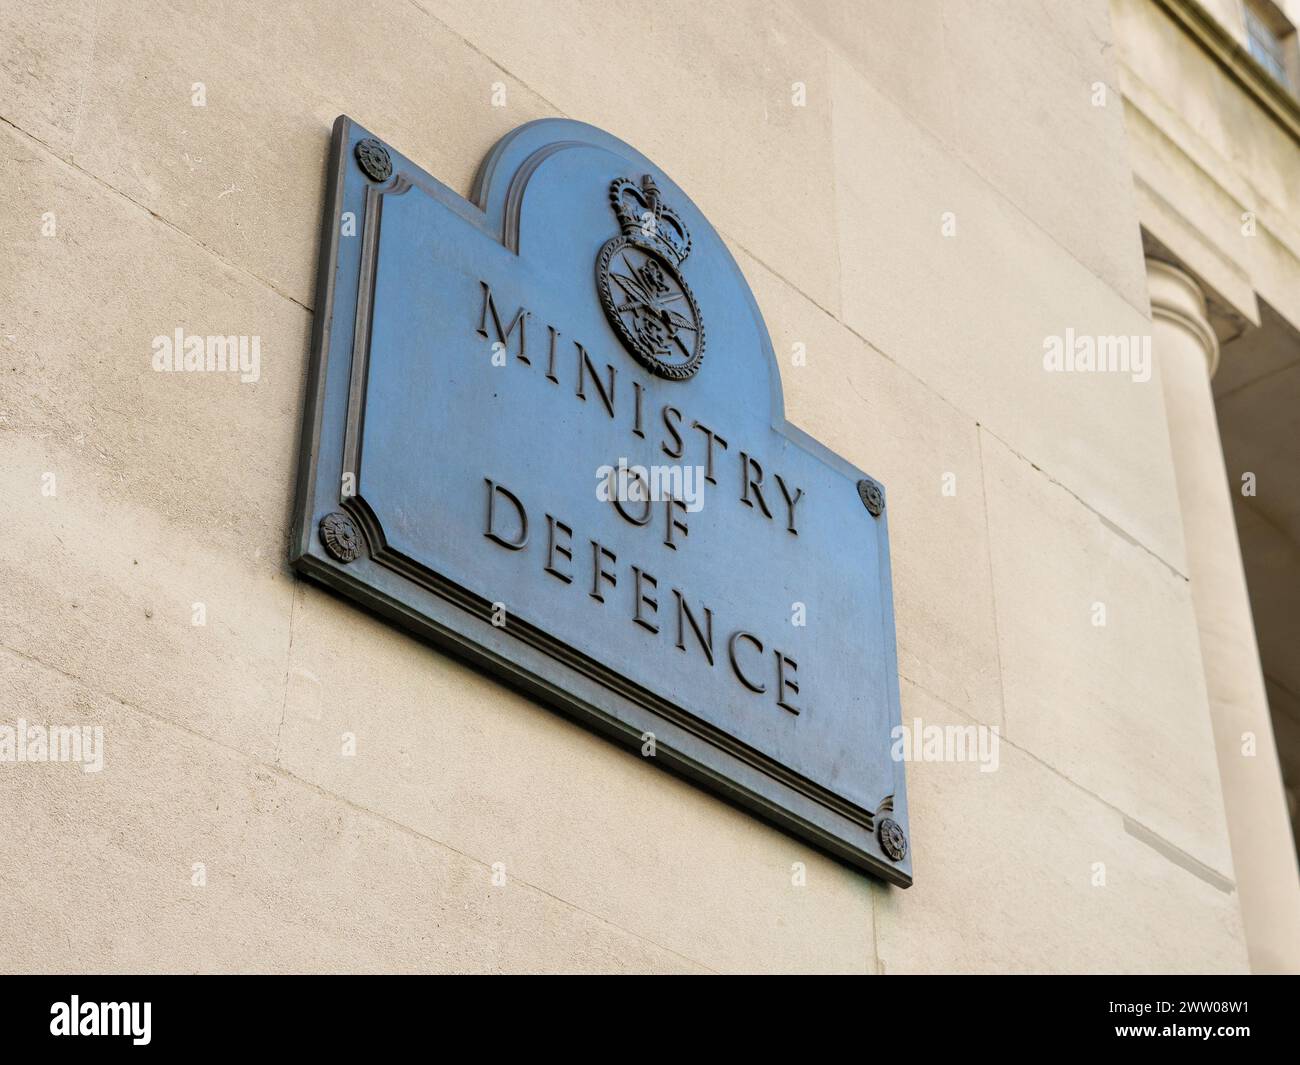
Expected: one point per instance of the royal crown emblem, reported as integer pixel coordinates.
(645, 298)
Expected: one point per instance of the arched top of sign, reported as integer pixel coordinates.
(643, 285)
(646, 299)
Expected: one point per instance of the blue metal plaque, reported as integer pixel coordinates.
(544, 429)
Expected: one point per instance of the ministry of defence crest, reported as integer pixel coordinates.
(646, 300)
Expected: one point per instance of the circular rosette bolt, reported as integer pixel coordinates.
(374, 159)
(872, 496)
(340, 536)
(892, 840)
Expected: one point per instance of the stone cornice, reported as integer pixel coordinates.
(1236, 62)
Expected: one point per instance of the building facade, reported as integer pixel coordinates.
(940, 207)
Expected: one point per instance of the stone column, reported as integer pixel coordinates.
(1186, 352)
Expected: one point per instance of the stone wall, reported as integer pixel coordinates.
(223, 741)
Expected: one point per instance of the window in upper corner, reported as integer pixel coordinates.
(1272, 40)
